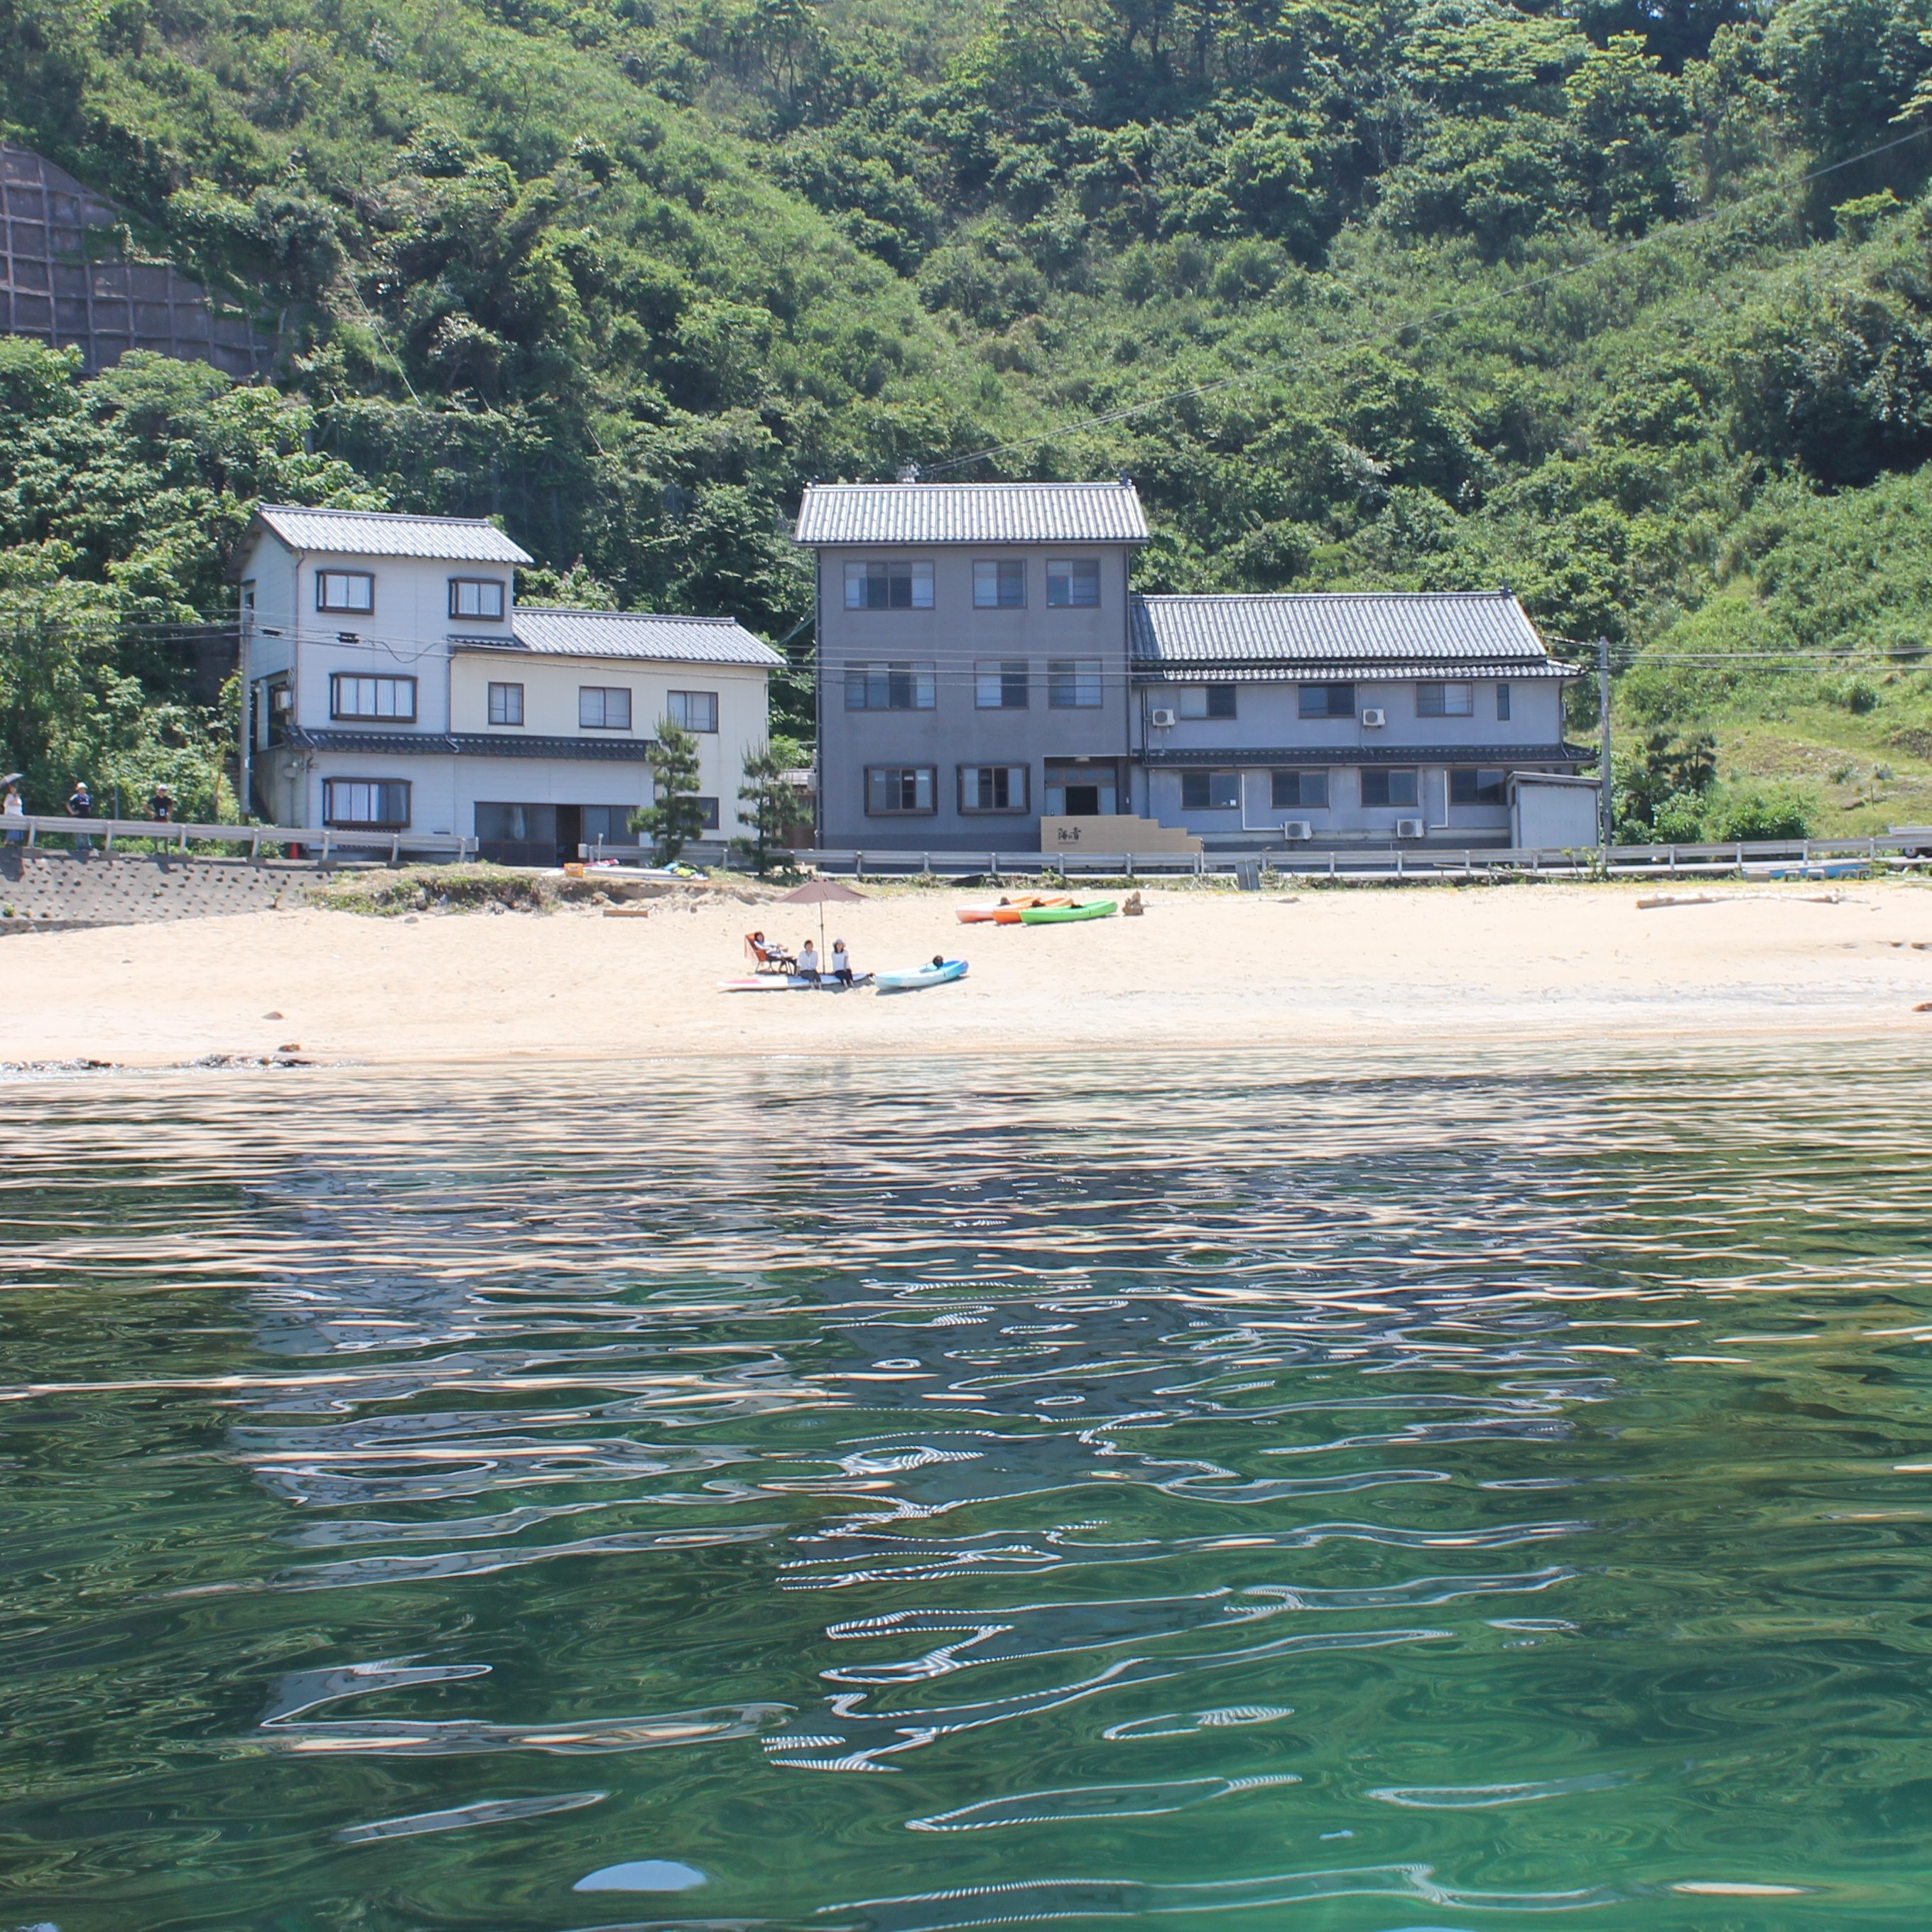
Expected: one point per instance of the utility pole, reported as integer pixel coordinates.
(1606, 821)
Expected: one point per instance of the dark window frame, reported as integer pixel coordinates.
(606, 692)
(382, 787)
(1437, 690)
(1009, 809)
(496, 583)
(505, 689)
(1381, 777)
(1468, 781)
(1201, 785)
(1301, 779)
(1005, 571)
(1218, 701)
(1503, 703)
(1011, 674)
(324, 577)
(1304, 700)
(338, 678)
(870, 571)
(914, 676)
(903, 810)
(1065, 678)
(672, 699)
(1075, 572)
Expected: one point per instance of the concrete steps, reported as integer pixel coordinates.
(50, 892)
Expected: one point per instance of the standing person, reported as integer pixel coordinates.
(160, 804)
(80, 805)
(841, 963)
(12, 808)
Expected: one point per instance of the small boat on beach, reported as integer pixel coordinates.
(789, 983)
(912, 979)
(1008, 911)
(1068, 914)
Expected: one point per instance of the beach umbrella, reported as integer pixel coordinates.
(821, 892)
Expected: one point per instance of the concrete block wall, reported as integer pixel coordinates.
(42, 891)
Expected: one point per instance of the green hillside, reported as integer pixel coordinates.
(627, 273)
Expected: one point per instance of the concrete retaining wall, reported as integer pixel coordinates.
(42, 891)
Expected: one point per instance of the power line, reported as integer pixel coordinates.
(1424, 322)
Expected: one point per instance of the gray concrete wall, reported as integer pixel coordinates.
(45, 891)
(952, 638)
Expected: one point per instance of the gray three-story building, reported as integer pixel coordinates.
(983, 667)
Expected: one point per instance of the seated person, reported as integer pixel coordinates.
(768, 955)
(841, 963)
(808, 960)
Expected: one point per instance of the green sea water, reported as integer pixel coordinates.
(1381, 1496)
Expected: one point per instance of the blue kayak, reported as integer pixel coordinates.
(910, 979)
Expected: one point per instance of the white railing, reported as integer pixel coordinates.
(318, 842)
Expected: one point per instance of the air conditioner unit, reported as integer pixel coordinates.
(1374, 718)
(1163, 721)
(1409, 828)
(1297, 828)
(282, 698)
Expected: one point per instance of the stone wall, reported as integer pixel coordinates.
(49, 288)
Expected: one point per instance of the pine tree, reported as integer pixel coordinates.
(770, 807)
(677, 817)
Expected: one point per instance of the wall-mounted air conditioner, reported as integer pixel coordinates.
(1374, 718)
(1409, 828)
(1297, 828)
(1163, 721)
(282, 697)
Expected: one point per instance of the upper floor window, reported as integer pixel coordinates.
(889, 687)
(371, 804)
(1503, 703)
(695, 710)
(888, 586)
(999, 585)
(506, 704)
(1444, 700)
(391, 699)
(1207, 700)
(351, 590)
(1073, 684)
(603, 707)
(1000, 684)
(1326, 700)
(475, 597)
(1073, 581)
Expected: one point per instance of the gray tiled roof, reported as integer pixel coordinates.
(1510, 757)
(1470, 628)
(628, 634)
(1388, 670)
(971, 513)
(474, 745)
(370, 533)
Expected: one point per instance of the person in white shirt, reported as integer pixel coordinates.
(841, 963)
(13, 808)
(808, 960)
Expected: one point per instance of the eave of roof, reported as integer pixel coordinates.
(638, 635)
(381, 533)
(474, 745)
(1521, 670)
(832, 514)
(1335, 628)
(1506, 757)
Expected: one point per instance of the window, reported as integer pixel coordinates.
(603, 707)
(709, 808)
(391, 699)
(1326, 700)
(896, 790)
(1381, 786)
(1073, 684)
(993, 787)
(1207, 700)
(506, 704)
(1073, 582)
(366, 804)
(1300, 791)
(502, 823)
(1503, 703)
(1444, 700)
(1475, 787)
(695, 710)
(889, 687)
(609, 823)
(475, 597)
(888, 586)
(1210, 791)
(999, 586)
(1000, 684)
(353, 590)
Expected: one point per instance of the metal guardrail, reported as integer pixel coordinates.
(1902, 845)
(317, 842)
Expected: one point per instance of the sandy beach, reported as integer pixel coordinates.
(1435, 967)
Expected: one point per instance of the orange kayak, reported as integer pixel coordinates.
(1007, 912)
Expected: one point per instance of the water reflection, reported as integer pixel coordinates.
(1512, 1476)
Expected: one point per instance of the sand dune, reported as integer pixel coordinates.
(1435, 967)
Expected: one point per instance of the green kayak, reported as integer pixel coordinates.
(1067, 915)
